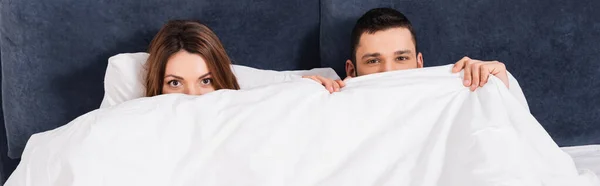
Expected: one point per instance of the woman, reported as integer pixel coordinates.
(187, 57)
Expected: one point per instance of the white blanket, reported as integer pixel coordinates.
(416, 127)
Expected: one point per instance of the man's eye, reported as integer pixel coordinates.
(402, 58)
(372, 61)
(174, 83)
(206, 81)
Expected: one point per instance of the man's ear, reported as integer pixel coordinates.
(350, 69)
(420, 60)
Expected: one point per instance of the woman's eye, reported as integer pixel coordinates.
(206, 81)
(174, 83)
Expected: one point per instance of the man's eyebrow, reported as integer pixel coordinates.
(370, 55)
(400, 52)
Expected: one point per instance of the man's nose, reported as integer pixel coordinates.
(386, 67)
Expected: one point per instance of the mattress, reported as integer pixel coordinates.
(586, 157)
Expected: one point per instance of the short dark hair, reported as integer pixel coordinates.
(379, 19)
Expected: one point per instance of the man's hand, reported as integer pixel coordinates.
(329, 84)
(477, 71)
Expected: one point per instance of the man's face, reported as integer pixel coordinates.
(383, 51)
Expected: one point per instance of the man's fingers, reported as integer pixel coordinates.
(460, 64)
(475, 75)
(467, 79)
(484, 73)
(477, 72)
(497, 67)
(499, 70)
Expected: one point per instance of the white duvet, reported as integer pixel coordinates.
(415, 127)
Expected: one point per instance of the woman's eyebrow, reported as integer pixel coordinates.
(174, 76)
(202, 76)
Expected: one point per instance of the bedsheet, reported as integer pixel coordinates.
(417, 127)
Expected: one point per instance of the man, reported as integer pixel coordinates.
(383, 40)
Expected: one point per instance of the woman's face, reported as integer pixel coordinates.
(187, 73)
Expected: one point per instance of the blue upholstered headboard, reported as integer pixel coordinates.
(54, 52)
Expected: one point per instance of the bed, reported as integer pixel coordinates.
(54, 53)
(585, 156)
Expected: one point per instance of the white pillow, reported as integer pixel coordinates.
(124, 79)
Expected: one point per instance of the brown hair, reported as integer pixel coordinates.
(194, 38)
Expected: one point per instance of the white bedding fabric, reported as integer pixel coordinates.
(416, 127)
(586, 157)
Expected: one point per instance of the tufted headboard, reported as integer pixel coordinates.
(54, 52)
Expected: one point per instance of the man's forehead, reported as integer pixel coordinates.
(391, 40)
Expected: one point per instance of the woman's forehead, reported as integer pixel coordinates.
(184, 63)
